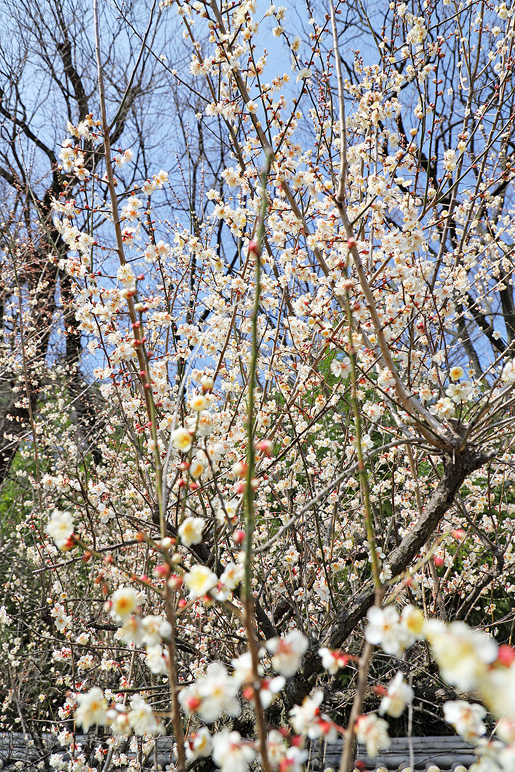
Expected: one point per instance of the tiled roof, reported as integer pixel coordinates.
(442, 753)
(445, 753)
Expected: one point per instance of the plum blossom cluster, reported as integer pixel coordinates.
(139, 718)
(468, 659)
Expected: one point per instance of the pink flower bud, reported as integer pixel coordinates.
(506, 655)
(240, 469)
(254, 248)
(265, 447)
(175, 582)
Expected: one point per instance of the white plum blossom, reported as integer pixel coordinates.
(161, 178)
(243, 672)
(287, 652)
(123, 158)
(505, 757)
(198, 403)
(196, 469)
(398, 695)
(232, 575)
(276, 746)
(341, 367)
(218, 694)
(303, 74)
(450, 160)
(227, 511)
(92, 708)
(125, 276)
(181, 439)
(199, 580)
(131, 631)
(508, 373)
(231, 176)
(67, 155)
(497, 690)
(294, 760)
(459, 392)
(386, 379)
(199, 744)
(332, 661)
(142, 718)
(502, 11)
(212, 695)
(466, 718)
(148, 187)
(282, 756)
(119, 723)
(372, 731)
(231, 753)
(443, 408)
(156, 660)
(124, 602)
(386, 573)
(505, 730)
(60, 527)
(154, 629)
(384, 629)
(269, 688)
(190, 530)
(412, 622)
(170, 328)
(130, 210)
(304, 718)
(456, 372)
(463, 655)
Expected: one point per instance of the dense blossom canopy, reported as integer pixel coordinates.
(300, 446)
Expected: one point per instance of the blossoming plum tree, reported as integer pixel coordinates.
(308, 450)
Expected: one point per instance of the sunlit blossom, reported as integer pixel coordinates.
(212, 695)
(303, 717)
(384, 629)
(199, 580)
(190, 530)
(181, 439)
(463, 655)
(373, 732)
(142, 718)
(287, 652)
(124, 602)
(92, 708)
(60, 527)
(466, 718)
(398, 695)
(231, 753)
(199, 744)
